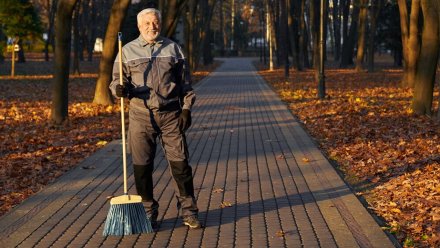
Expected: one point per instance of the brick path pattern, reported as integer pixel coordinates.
(253, 185)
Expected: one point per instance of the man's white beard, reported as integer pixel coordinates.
(151, 37)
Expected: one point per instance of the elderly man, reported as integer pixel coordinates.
(157, 82)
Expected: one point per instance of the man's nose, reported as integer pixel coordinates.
(151, 26)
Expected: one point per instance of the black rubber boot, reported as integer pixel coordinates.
(182, 174)
(143, 176)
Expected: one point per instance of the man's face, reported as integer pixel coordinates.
(149, 27)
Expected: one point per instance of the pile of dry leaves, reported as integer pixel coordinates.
(32, 152)
(390, 155)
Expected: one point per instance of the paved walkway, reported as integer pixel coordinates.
(252, 184)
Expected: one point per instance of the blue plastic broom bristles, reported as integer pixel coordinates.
(126, 219)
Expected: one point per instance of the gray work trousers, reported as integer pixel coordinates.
(145, 128)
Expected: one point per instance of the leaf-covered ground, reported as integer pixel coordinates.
(388, 154)
(32, 152)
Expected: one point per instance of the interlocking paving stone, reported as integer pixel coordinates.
(246, 150)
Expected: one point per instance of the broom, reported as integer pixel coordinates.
(127, 214)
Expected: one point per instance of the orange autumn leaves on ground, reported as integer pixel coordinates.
(367, 127)
(33, 153)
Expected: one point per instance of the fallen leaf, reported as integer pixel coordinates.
(218, 190)
(280, 157)
(280, 233)
(396, 210)
(225, 204)
(101, 143)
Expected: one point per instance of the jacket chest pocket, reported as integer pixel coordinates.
(139, 70)
(166, 67)
(168, 88)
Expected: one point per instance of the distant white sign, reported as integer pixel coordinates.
(98, 45)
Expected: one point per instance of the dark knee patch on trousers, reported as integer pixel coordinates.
(182, 174)
(143, 175)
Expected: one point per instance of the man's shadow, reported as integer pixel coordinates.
(221, 216)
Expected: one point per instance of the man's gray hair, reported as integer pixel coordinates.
(148, 11)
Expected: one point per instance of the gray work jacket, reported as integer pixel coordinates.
(156, 75)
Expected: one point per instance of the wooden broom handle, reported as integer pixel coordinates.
(124, 152)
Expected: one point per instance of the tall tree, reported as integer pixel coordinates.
(170, 14)
(348, 45)
(76, 38)
(314, 31)
(344, 7)
(63, 27)
(410, 39)
(361, 34)
(303, 39)
(388, 31)
(90, 36)
(283, 32)
(50, 30)
(118, 12)
(427, 61)
(197, 25)
(294, 16)
(336, 28)
(374, 13)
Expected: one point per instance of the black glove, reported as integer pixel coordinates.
(185, 120)
(122, 90)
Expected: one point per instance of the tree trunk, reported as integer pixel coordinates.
(76, 39)
(207, 54)
(293, 18)
(410, 40)
(205, 29)
(303, 40)
(270, 32)
(314, 30)
(283, 32)
(170, 16)
(403, 10)
(361, 35)
(427, 61)
(413, 44)
(102, 93)
(222, 37)
(277, 33)
(273, 31)
(374, 14)
(348, 46)
(336, 29)
(345, 9)
(84, 20)
(189, 33)
(52, 12)
(60, 94)
(91, 35)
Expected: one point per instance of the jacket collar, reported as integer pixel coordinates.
(144, 43)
